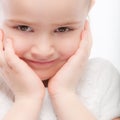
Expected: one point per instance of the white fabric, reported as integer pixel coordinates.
(99, 89)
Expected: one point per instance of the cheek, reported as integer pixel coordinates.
(69, 48)
(20, 45)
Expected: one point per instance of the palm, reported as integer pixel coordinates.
(68, 76)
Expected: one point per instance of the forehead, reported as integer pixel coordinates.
(44, 2)
(46, 9)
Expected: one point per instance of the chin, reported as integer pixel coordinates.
(46, 75)
(43, 78)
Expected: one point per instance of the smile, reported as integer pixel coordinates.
(40, 64)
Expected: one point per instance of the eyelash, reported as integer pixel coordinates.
(24, 28)
(63, 30)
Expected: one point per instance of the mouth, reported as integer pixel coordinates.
(39, 64)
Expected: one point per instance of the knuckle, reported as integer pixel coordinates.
(9, 61)
(2, 62)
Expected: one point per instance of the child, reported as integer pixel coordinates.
(45, 72)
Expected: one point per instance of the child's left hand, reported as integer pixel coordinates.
(67, 78)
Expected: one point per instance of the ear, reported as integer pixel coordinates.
(91, 4)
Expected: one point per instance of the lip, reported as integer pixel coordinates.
(41, 62)
(35, 63)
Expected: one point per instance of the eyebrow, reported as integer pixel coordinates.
(33, 23)
(67, 23)
(20, 21)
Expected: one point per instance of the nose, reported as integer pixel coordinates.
(42, 49)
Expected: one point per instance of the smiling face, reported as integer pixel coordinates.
(45, 33)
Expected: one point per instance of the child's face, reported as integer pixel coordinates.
(45, 33)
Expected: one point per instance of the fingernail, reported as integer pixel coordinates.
(7, 40)
(0, 34)
(6, 43)
(86, 24)
(83, 35)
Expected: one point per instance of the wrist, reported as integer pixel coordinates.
(30, 98)
(62, 92)
(30, 109)
(76, 108)
(29, 103)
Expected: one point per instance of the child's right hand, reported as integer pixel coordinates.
(17, 74)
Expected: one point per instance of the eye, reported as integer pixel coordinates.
(63, 29)
(24, 28)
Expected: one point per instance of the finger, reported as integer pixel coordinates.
(2, 60)
(10, 57)
(88, 36)
(82, 54)
(1, 40)
(87, 32)
(86, 42)
(12, 60)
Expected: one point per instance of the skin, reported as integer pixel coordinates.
(44, 44)
(31, 52)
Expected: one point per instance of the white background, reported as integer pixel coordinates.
(105, 25)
